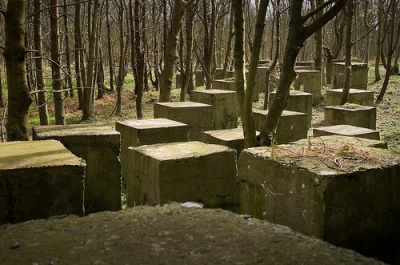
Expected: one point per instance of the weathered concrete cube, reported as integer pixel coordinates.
(298, 101)
(356, 96)
(199, 78)
(197, 115)
(346, 195)
(39, 179)
(340, 140)
(359, 116)
(223, 84)
(292, 125)
(309, 81)
(224, 106)
(347, 130)
(99, 146)
(192, 171)
(359, 74)
(145, 132)
(219, 74)
(232, 138)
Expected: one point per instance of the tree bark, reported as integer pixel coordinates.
(109, 46)
(55, 64)
(348, 46)
(249, 125)
(378, 42)
(178, 11)
(79, 63)
(298, 33)
(37, 32)
(68, 78)
(19, 98)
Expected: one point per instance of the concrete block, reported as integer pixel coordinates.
(223, 84)
(346, 196)
(347, 130)
(232, 138)
(359, 116)
(199, 78)
(292, 125)
(192, 171)
(341, 140)
(146, 132)
(299, 102)
(99, 146)
(309, 81)
(39, 179)
(197, 115)
(359, 74)
(224, 106)
(356, 96)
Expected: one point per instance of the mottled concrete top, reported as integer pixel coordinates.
(181, 150)
(152, 123)
(344, 140)
(352, 90)
(170, 234)
(284, 112)
(29, 154)
(183, 104)
(214, 91)
(49, 131)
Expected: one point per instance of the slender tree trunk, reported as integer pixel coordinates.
(249, 125)
(228, 52)
(140, 9)
(238, 53)
(187, 77)
(109, 46)
(19, 98)
(55, 64)
(1, 91)
(68, 79)
(348, 46)
(88, 93)
(79, 64)
(298, 33)
(318, 43)
(378, 41)
(121, 71)
(37, 31)
(178, 11)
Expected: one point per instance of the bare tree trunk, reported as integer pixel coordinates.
(140, 10)
(228, 45)
(109, 46)
(55, 64)
(348, 46)
(79, 63)
(249, 125)
(19, 98)
(178, 11)
(378, 41)
(238, 53)
(393, 39)
(88, 93)
(37, 31)
(68, 79)
(187, 72)
(298, 33)
(1, 91)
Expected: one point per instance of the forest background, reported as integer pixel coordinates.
(78, 55)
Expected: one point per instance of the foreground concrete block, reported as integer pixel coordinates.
(292, 125)
(356, 96)
(355, 115)
(298, 101)
(145, 132)
(224, 106)
(99, 146)
(347, 130)
(346, 195)
(359, 74)
(39, 179)
(309, 81)
(197, 115)
(181, 172)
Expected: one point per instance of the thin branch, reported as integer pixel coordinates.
(317, 10)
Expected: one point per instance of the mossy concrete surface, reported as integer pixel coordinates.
(39, 179)
(99, 146)
(347, 130)
(224, 106)
(355, 115)
(359, 74)
(169, 234)
(192, 171)
(342, 141)
(356, 96)
(197, 115)
(344, 194)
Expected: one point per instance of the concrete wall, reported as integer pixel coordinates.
(39, 179)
